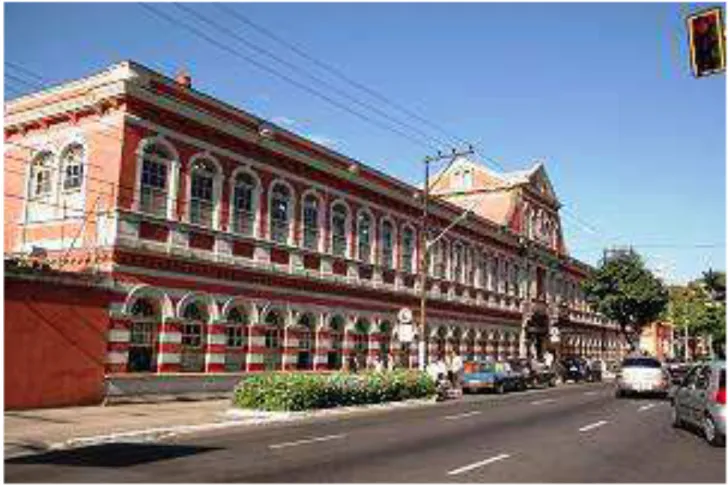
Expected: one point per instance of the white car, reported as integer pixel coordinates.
(642, 375)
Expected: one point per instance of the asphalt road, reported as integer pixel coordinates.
(568, 434)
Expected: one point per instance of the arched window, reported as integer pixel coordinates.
(236, 332)
(195, 318)
(72, 168)
(387, 245)
(202, 193)
(339, 217)
(155, 180)
(244, 204)
(457, 259)
(306, 341)
(336, 336)
(142, 336)
(41, 176)
(364, 232)
(408, 249)
(272, 358)
(361, 341)
(280, 213)
(311, 222)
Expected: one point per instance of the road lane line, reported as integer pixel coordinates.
(593, 425)
(590, 393)
(462, 415)
(303, 442)
(488, 461)
(646, 407)
(542, 401)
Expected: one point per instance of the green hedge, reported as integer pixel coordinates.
(278, 391)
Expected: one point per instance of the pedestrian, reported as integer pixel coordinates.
(450, 368)
(433, 369)
(378, 364)
(548, 359)
(457, 368)
(391, 362)
(353, 364)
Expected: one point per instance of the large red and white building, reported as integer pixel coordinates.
(235, 245)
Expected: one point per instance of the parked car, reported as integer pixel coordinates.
(677, 370)
(536, 374)
(574, 369)
(642, 375)
(699, 401)
(498, 377)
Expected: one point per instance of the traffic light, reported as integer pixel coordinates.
(707, 42)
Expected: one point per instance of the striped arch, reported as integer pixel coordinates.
(207, 299)
(146, 291)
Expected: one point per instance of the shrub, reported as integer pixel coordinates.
(278, 391)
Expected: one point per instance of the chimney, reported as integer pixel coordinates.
(183, 78)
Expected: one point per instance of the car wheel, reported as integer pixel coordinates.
(676, 419)
(619, 393)
(552, 382)
(712, 435)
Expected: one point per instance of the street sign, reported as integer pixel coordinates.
(404, 315)
(406, 333)
(555, 335)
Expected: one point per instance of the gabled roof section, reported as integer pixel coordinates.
(538, 181)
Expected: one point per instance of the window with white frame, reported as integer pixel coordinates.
(339, 216)
(280, 213)
(408, 249)
(494, 275)
(237, 321)
(484, 271)
(244, 204)
(468, 179)
(194, 318)
(457, 261)
(41, 176)
(72, 166)
(387, 245)
(202, 193)
(364, 236)
(311, 222)
(154, 181)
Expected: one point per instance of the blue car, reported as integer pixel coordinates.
(498, 378)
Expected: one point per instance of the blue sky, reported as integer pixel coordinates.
(602, 93)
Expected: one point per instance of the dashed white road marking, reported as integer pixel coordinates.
(303, 442)
(542, 401)
(462, 415)
(590, 393)
(488, 461)
(646, 407)
(593, 425)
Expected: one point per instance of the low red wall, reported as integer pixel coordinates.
(55, 343)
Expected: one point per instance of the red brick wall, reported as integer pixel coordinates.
(55, 343)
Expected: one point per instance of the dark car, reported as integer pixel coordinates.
(677, 370)
(575, 369)
(535, 374)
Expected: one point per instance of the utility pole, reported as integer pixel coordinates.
(424, 248)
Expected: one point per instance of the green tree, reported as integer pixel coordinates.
(700, 308)
(623, 290)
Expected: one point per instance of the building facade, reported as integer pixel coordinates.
(234, 245)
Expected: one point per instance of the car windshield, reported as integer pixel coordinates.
(642, 362)
(486, 368)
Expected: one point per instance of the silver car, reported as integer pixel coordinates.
(642, 375)
(699, 401)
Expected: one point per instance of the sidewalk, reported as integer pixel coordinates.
(38, 429)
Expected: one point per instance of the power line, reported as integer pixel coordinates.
(288, 79)
(304, 72)
(336, 72)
